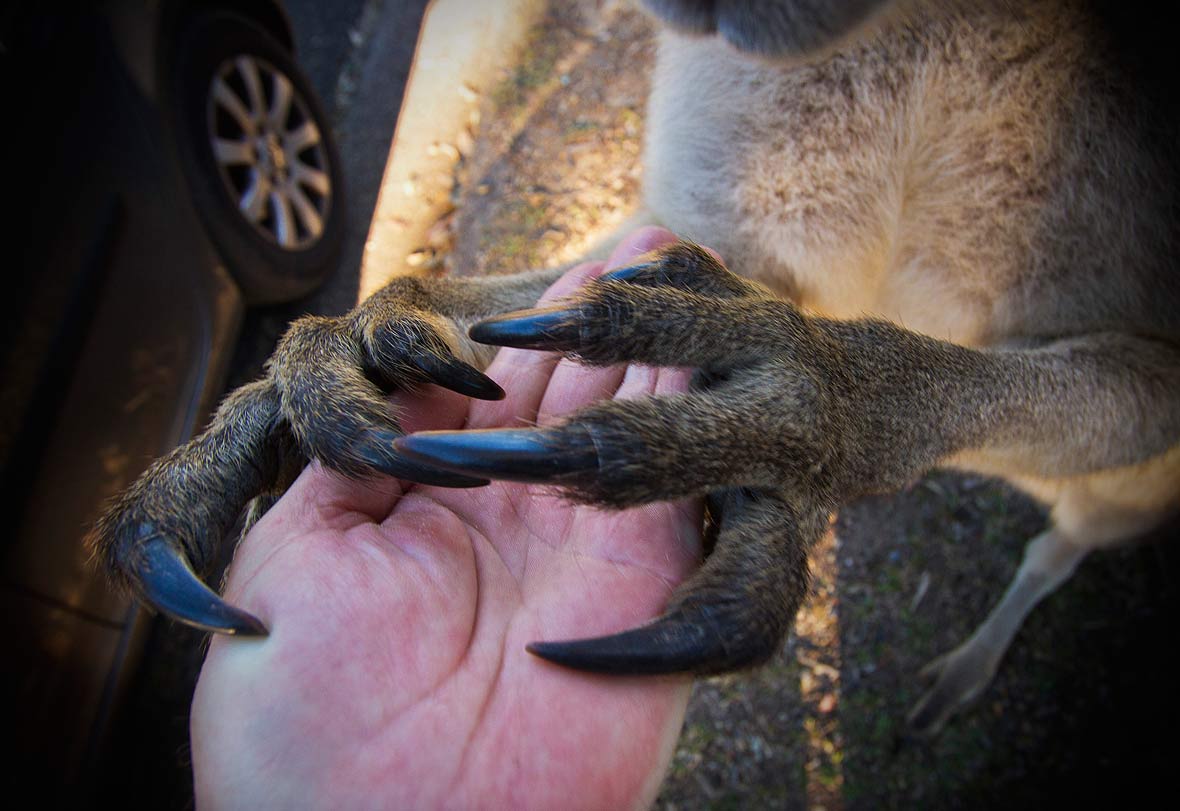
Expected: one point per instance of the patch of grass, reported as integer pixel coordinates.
(535, 68)
(513, 245)
(513, 239)
(891, 580)
(579, 128)
(531, 216)
(630, 119)
(920, 630)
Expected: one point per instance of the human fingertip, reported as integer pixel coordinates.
(572, 279)
(673, 380)
(637, 243)
(638, 381)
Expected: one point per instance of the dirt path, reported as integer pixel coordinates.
(1082, 707)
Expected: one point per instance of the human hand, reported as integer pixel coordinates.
(395, 673)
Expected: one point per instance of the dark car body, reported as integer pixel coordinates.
(120, 325)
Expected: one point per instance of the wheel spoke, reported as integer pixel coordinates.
(305, 135)
(225, 96)
(248, 69)
(285, 231)
(253, 202)
(309, 218)
(280, 108)
(234, 153)
(311, 177)
(285, 196)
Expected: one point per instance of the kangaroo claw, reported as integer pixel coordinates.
(167, 581)
(512, 454)
(685, 640)
(380, 451)
(540, 328)
(454, 374)
(628, 273)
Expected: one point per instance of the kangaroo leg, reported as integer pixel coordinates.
(962, 675)
(1091, 513)
(822, 410)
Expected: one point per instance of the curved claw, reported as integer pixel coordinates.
(511, 454)
(167, 581)
(381, 452)
(454, 374)
(628, 273)
(685, 640)
(539, 328)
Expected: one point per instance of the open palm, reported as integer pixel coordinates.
(395, 673)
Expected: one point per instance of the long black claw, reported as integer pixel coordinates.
(626, 274)
(682, 641)
(454, 374)
(168, 582)
(380, 452)
(542, 328)
(513, 454)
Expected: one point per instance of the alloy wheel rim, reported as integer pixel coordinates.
(269, 152)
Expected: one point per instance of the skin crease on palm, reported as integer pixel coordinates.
(395, 673)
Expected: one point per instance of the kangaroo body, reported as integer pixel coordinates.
(981, 176)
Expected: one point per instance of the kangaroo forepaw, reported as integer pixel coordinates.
(167, 527)
(333, 376)
(677, 306)
(779, 408)
(324, 397)
(756, 423)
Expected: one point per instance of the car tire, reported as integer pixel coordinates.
(259, 156)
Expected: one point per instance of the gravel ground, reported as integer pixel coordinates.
(1081, 708)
